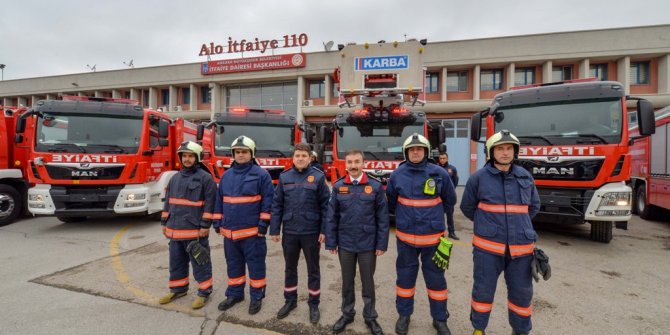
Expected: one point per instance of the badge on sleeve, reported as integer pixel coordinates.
(368, 189)
(429, 187)
(343, 190)
(310, 179)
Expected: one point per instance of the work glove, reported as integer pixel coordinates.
(443, 253)
(539, 266)
(199, 253)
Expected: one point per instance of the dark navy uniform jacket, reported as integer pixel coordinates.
(453, 173)
(300, 202)
(189, 203)
(501, 206)
(244, 199)
(358, 219)
(420, 216)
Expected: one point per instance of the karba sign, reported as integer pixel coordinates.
(234, 46)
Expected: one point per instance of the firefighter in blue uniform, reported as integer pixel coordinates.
(187, 217)
(501, 199)
(443, 161)
(357, 231)
(419, 193)
(244, 200)
(300, 203)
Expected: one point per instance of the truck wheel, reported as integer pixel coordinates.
(71, 219)
(11, 204)
(642, 208)
(601, 231)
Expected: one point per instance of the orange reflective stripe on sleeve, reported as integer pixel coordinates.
(481, 307)
(265, 216)
(257, 283)
(404, 292)
(164, 215)
(438, 295)
(521, 311)
(521, 209)
(487, 245)
(241, 200)
(419, 202)
(419, 240)
(217, 216)
(178, 282)
(185, 202)
(239, 234)
(237, 281)
(207, 216)
(522, 249)
(181, 234)
(205, 284)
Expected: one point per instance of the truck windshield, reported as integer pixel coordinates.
(565, 122)
(91, 134)
(380, 145)
(271, 141)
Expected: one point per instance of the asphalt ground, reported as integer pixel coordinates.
(104, 276)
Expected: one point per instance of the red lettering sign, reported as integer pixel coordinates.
(253, 64)
(287, 41)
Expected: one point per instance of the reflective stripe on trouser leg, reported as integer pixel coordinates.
(407, 268)
(178, 266)
(310, 248)
(255, 251)
(235, 268)
(486, 270)
(519, 293)
(203, 273)
(436, 284)
(291, 249)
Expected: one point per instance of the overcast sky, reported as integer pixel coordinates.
(45, 38)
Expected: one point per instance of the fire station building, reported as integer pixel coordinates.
(462, 77)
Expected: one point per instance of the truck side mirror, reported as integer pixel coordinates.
(200, 133)
(322, 134)
(309, 135)
(163, 129)
(645, 117)
(443, 148)
(476, 127)
(441, 134)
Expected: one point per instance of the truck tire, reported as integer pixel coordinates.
(601, 231)
(71, 219)
(642, 208)
(11, 204)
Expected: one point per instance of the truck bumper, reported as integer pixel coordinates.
(611, 202)
(44, 199)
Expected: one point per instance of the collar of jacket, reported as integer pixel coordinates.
(417, 166)
(305, 170)
(514, 169)
(241, 168)
(364, 179)
(189, 171)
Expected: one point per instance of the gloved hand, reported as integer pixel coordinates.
(443, 253)
(199, 253)
(539, 266)
(262, 227)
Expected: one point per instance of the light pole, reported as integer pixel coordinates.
(2, 67)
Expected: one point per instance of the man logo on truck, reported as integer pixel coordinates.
(553, 171)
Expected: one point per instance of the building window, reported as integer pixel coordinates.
(205, 95)
(317, 89)
(432, 82)
(457, 81)
(185, 95)
(491, 80)
(126, 94)
(599, 71)
(281, 96)
(165, 97)
(639, 73)
(561, 73)
(336, 89)
(524, 76)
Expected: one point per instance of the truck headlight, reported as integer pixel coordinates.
(619, 199)
(36, 197)
(136, 196)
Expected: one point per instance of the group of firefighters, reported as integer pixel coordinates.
(352, 220)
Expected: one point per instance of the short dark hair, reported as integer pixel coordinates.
(302, 147)
(443, 154)
(354, 152)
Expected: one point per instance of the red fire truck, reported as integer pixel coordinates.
(274, 132)
(384, 76)
(13, 168)
(574, 140)
(98, 156)
(650, 176)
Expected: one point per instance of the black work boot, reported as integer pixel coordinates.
(517, 333)
(441, 327)
(285, 310)
(374, 327)
(314, 314)
(341, 324)
(402, 325)
(453, 236)
(229, 302)
(255, 306)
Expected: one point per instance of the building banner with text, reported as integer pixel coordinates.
(253, 64)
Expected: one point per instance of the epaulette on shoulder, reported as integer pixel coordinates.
(373, 178)
(317, 169)
(343, 177)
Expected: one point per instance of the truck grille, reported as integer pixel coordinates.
(578, 170)
(92, 173)
(85, 197)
